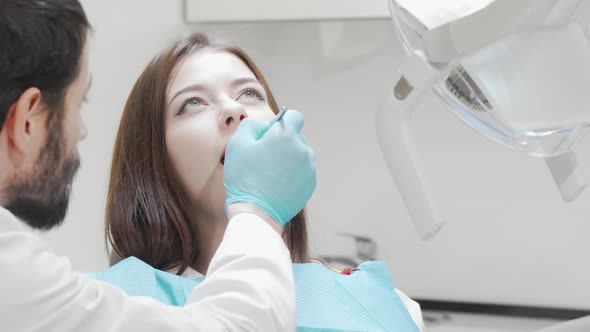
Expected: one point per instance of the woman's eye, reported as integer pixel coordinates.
(251, 93)
(190, 104)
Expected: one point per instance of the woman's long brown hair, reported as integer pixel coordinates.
(146, 212)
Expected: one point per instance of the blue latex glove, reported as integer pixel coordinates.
(270, 166)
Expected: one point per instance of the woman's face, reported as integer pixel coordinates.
(211, 93)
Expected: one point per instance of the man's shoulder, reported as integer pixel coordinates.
(21, 250)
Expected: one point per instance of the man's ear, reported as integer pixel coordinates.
(25, 124)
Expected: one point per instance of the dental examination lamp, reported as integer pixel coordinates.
(517, 71)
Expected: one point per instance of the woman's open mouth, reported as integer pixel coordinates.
(222, 159)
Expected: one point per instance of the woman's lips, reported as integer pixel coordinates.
(222, 159)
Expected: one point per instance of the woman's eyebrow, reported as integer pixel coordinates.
(245, 80)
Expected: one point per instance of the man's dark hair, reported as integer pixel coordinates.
(41, 43)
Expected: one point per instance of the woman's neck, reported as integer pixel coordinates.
(210, 230)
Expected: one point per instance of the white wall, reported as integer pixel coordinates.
(509, 238)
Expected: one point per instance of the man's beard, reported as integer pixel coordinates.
(41, 197)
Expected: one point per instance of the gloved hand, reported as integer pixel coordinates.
(270, 166)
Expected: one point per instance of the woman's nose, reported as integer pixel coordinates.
(232, 115)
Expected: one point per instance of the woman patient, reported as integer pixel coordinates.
(166, 198)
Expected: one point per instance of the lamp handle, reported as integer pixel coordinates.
(394, 133)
